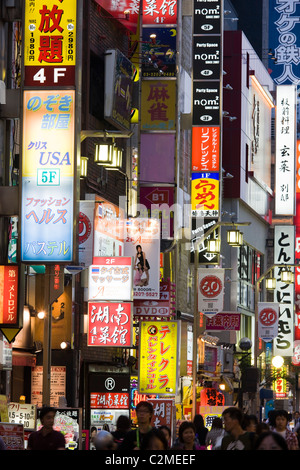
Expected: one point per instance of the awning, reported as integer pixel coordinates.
(21, 358)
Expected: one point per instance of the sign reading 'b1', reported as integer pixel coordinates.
(210, 291)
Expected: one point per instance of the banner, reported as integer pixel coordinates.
(205, 194)
(158, 357)
(142, 242)
(210, 291)
(268, 316)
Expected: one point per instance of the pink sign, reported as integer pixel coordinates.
(224, 321)
(163, 307)
(110, 324)
(158, 12)
(117, 401)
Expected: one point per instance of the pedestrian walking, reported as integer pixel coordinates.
(105, 441)
(155, 440)
(281, 427)
(201, 430)
(237, 438)
(270, 440)
(123, 427)
(187, 437)
(134, 438)
(46, 438)
(215, 435)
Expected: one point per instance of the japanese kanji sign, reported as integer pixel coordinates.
(106, 400)
(224, 321)
(284, 31)
(285, 164)
(158, 105)
(47, 176)
(268, 315)
(284, 253)
(159, 12)
(50, 43)
(210, 291)
(110, 324)
(163, 413)
(205, 194)
(110, 278)
(159, 55)
(206, 148)
(9, 295)
(158, 357)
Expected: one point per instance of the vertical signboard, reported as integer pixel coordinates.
(210, 291)
(284, 253)
(9, 295)
(47, 176)
(285, 150)
(284, 34)
(207, 63)
(268, 316)
(110, 324)
(50, 43)
(158, 358)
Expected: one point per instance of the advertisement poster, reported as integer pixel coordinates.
(12, 435)
(111, 278)
(158, 357)
(58, 385)
(110, 324)
(210, 291)
(142, 242)
(47, 176)
(68, 421)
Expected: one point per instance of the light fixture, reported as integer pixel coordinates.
(83, 167)
(287, 276)
(235, 237)
(65, 345)
(213, 245)
(267, 96)
(277, 361)
(41, 315)
(270, 283)
(103, 153)
(222, 386)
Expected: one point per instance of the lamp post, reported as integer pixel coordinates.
(196, 313)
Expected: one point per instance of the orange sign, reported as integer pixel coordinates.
(205, 148)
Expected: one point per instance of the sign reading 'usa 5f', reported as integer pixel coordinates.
(47, 176)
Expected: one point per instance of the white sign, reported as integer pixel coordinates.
(285, 150)
(268, 314)
(284, 253)
(142, 242)
(111, 278)
(22, 413)
(210, 291)
(58, 385)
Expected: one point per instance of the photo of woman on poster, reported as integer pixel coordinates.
(141, 258)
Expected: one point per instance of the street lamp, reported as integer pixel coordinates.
(196, 313)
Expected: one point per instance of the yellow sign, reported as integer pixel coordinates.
(205, 194)
(158, 358)
(50, 32)
(10, 333)
(158, 105)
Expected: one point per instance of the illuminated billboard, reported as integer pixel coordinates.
(47, 176)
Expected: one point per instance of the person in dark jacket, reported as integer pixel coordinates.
(201, 430)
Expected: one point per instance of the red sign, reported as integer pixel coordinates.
(9, 295)
(117, 9)
(212, 397)
(211, 286)
(162, 412)
(158, 12)
(205, 148)
(224, 321)
(116, 401)
(268, 316)
(110, 324)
